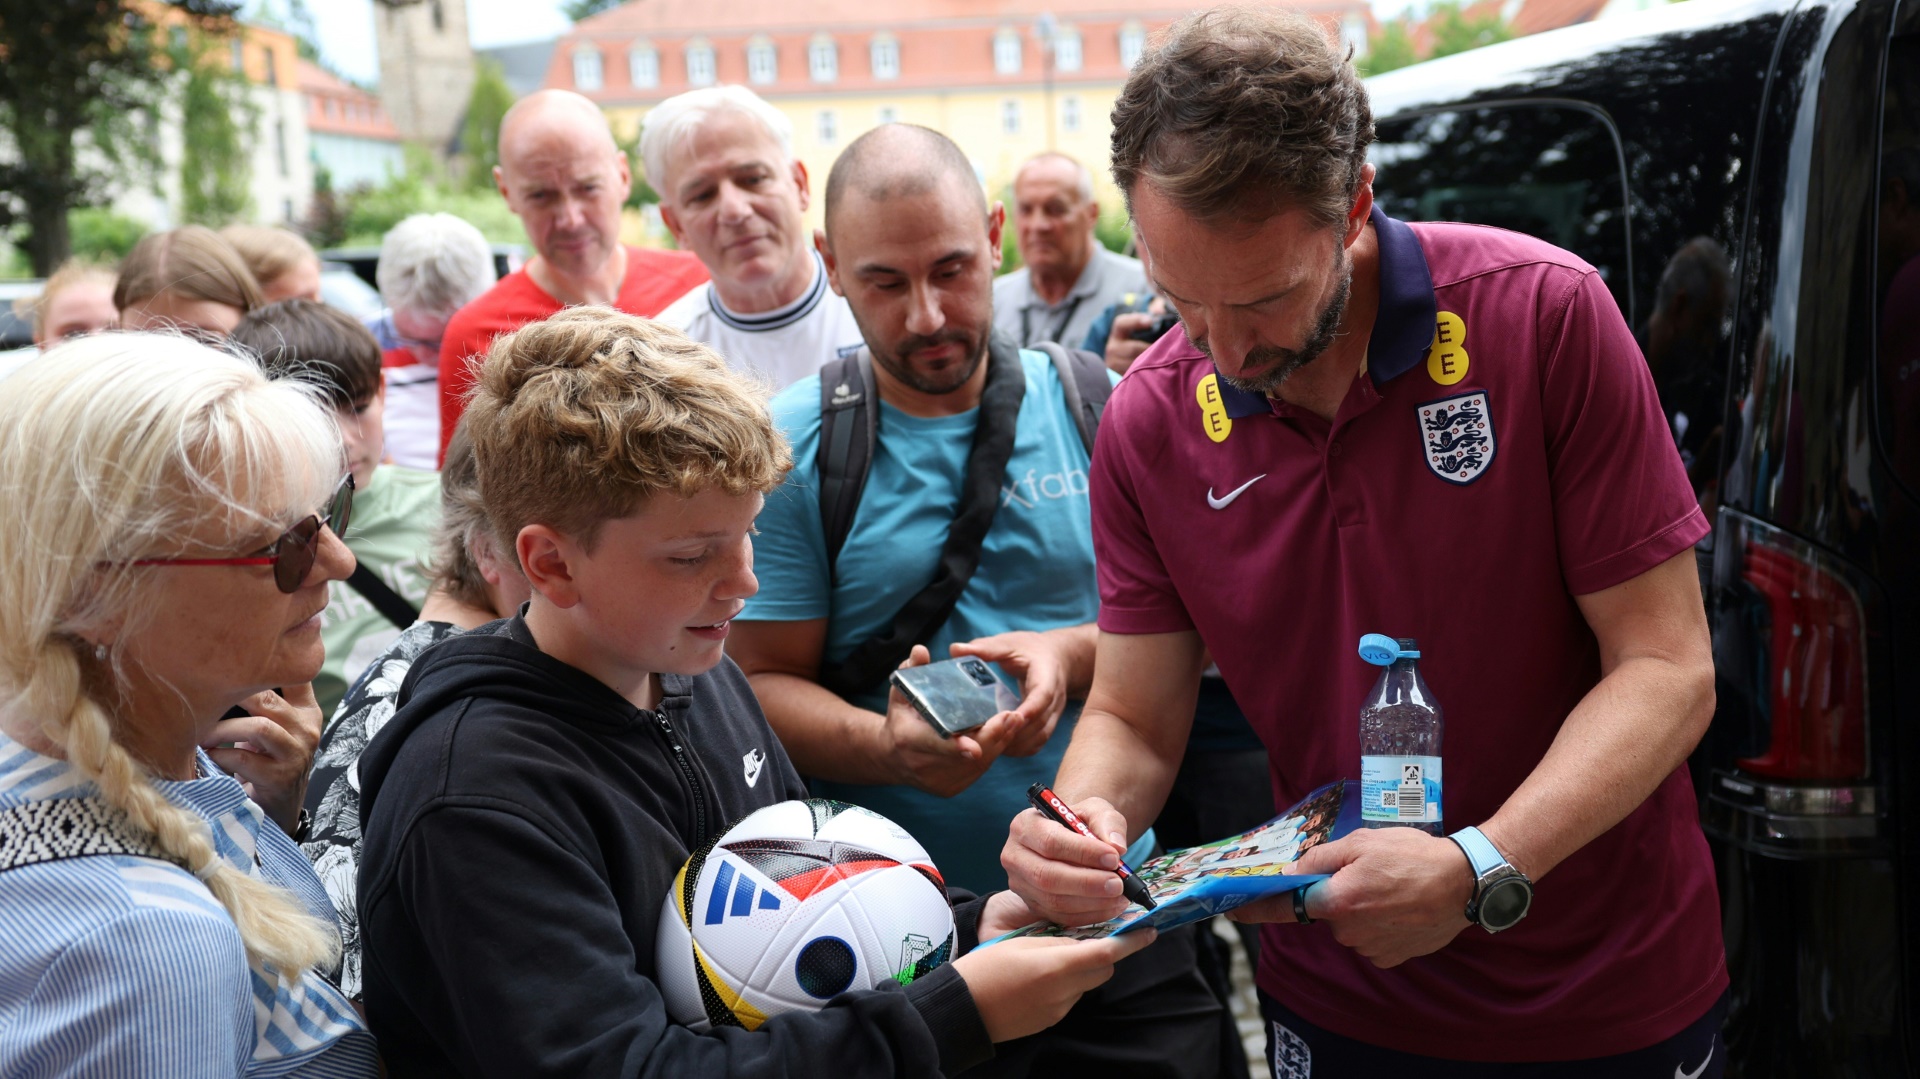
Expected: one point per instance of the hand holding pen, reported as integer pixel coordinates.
(1056, 809)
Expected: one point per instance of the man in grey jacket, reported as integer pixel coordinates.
(1067, 279)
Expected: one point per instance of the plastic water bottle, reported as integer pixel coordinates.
(1400, 728)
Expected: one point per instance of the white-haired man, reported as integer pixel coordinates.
(734, 194)
(431, 265)
(565, 178)
(1067, 279)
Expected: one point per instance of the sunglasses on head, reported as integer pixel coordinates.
(293, 553)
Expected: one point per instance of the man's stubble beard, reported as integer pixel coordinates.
(904, 372)
(1286, 361)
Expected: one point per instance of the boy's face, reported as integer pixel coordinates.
(363, 428)
(662, 585)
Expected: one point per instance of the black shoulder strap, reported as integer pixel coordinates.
(1085, 385)
(385, 600)
(849, 427)
(923, 615)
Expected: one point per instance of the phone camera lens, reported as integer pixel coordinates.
(978, 671)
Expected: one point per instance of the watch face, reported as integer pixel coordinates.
(1503, 903)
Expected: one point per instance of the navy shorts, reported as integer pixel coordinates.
(1297, 1049)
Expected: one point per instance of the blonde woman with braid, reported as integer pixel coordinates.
(165, 548)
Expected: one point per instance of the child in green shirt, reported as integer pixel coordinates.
(394, 508)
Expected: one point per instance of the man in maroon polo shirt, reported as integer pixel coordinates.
(1435, 431)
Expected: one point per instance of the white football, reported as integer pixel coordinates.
(794, 905)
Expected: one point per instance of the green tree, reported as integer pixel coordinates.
(294, 17)
(78, 85)
(1391, 48)
(1114, 230)
(581, 9)
(1455, 32)
(480, 135)
(642, 193)
(369, 212)
(217, 123)
(100, 235)
(1450, 29)
(326, 223)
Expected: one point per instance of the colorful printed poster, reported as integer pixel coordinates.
(1213, 878)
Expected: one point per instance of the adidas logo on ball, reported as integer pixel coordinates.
(794, 905)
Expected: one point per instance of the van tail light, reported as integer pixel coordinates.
(1817, 668)
(1791, 626)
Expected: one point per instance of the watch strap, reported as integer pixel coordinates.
(1480, 852)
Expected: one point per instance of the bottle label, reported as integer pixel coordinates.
(1402, 790)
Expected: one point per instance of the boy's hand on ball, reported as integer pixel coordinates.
(1025, 985)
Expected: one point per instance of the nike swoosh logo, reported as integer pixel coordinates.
(1679, 1073)
(1223, 503)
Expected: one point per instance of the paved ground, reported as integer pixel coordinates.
(1246, 1010)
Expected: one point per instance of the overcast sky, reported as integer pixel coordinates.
(346, 27)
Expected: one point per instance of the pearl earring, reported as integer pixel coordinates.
(100, 652)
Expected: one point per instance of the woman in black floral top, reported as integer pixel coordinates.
(474, 582)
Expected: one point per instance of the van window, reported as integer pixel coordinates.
(1897, 244)
(1551, 171)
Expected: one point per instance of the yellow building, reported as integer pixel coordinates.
(997, 77)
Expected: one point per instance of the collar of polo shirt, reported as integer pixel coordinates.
(1402, 328)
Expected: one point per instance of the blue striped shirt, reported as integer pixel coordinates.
(114, 965)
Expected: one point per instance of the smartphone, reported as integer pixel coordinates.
(957, 695)
(1157, 329)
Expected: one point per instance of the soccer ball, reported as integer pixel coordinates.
(794, 905)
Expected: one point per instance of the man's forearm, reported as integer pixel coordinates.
(1109, 759)
(1133, 733)
(1077, 645)
(1617, 746)
(826, 737)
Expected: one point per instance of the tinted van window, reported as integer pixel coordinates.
(1897, 242)
(1551, 171)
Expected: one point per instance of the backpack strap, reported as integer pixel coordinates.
(849, 429)
(1084, 383)
(868, 666)
(391, 605)
(58, 828)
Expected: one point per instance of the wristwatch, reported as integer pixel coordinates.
(1501, 893)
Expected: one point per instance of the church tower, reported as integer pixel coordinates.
(426, 68)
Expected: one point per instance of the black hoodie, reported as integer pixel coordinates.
(523, 824)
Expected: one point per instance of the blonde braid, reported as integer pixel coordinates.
(276, 928)
(100, 443)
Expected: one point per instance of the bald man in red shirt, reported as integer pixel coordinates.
(1436, 431)
(564, 177)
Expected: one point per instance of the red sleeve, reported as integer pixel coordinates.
(1136, 593)
(657, 278)
(460, 348)
(1622, 504)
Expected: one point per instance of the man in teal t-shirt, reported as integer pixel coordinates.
(912, 245)
(923, 297)
(1035, 574)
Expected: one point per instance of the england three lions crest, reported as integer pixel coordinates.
(1457, 434)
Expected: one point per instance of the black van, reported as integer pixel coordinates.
(1746, 176)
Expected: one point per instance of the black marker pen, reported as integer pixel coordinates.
(1049, 803)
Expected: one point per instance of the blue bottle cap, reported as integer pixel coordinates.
(1379, 649)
